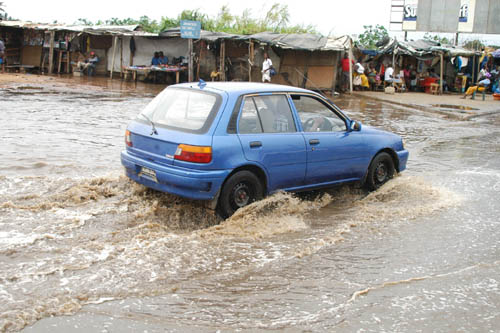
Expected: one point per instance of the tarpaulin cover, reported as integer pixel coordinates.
(423, 48)
(308, 42)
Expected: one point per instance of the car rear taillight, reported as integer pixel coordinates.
(128, 138)
(196, 154)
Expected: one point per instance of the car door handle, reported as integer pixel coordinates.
(314, 141)
(255, 144)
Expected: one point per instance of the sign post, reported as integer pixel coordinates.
(190, 30)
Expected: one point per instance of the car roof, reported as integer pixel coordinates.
(241, 87)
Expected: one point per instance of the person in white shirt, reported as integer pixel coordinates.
(266, 68)
(388, 74)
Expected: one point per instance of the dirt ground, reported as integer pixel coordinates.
(447, 103)
(65, 80)
(450, 104)
(7, 79)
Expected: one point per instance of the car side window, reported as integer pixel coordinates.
(249, 119)
(315, 116)
(268, 114)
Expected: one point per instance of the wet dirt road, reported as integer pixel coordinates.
(83, 249)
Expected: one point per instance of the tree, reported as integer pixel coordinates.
(276, 19)
(437, 38)
(372, 35)
(474, 44)
(83, 21)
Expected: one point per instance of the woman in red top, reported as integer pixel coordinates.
(345, 71)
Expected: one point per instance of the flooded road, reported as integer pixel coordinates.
(84, 249)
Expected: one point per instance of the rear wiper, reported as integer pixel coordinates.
(154, 131)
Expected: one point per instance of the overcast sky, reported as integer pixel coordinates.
(334, 17)
(338, 17)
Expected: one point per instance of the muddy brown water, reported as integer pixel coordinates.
(84, 249)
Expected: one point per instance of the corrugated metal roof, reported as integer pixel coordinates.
(92, 29)
(308, 42)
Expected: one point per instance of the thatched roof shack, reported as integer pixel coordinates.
(304, 60)
(51, 47)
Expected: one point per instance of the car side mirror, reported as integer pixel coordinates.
(355, 126)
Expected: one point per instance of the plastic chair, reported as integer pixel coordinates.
(480, 89)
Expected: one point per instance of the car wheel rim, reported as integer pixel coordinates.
(241, 195)
(381, 172)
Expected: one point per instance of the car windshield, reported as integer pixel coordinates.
(184, 109)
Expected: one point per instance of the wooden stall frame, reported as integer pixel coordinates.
(51, 51)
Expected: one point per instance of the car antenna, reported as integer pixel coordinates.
(202, 84)
(154, 131)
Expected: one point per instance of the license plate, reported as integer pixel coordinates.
(149, 173)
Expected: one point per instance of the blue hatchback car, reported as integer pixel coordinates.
(233, 143)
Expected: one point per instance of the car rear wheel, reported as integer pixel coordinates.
(240, 189)
(380, 171)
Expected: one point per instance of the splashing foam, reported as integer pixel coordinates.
(164, 239)
(277, 214)
(401, 199)
(404, 198)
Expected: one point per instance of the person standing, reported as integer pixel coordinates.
(266, 69)
(388, 76)
(346, 64)
(2, 55)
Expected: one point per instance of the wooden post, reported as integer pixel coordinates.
(60, 62)
(250, 60)
(51, 51)
(222, 58)
(131, 59)
(350, 66)
(441, 73)
(121, 56)
(69, 61)
(115, 41)
(473, 67)
(190, 68)
(335, 65)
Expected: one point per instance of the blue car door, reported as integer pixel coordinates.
(333, 152)
(269, 137)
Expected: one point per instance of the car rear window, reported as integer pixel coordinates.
(183, 109)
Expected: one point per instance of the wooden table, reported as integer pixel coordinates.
(133, 70)
(64, 56)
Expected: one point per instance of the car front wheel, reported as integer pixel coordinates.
(240, 189)
(380, 171)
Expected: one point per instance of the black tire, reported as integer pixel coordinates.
(380, 171)
(239, 190)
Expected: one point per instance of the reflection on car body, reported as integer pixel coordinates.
(233, 143)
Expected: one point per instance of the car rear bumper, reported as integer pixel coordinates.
(403, 158)
(188, 183)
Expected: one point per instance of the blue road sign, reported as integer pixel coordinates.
(190, 29)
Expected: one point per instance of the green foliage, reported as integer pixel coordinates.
(82, 21)
(372, 35)
(474, 44)
(437, 38)
(276, 19)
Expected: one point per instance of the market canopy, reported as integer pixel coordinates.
(422, 48)
(309, 42)
(134, 29)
